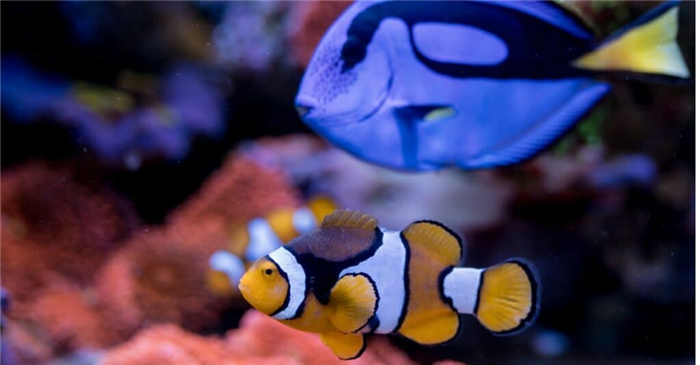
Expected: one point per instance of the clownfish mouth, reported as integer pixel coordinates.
(247, 292)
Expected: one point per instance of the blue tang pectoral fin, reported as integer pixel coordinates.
(543, 133)
(408, 118)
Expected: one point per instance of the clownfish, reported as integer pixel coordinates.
(260, 237)
(350, 278)
(424, 85)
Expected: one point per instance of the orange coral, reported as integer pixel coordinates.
(167, 344)
(160, 277)
(56, 225)
(238, 192)
(69, 318)
(57, 230)
(310, 21)
(260, 340)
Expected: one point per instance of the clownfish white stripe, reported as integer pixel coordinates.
(229, 264)
(304, 220)
(386, 268)
(461, 285)
(263, 239)
(296, 278)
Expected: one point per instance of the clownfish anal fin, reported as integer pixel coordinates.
(352, 303)
(349, 219)
(345, 346)
(433, 331)
(436, 239)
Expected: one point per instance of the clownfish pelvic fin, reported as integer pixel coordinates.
(647, 46)
(346, 346)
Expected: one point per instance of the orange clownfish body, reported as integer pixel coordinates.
(350, 278)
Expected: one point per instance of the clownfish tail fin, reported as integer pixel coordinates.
(648, 46)
(508, 297)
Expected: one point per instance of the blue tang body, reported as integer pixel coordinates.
(422, 85)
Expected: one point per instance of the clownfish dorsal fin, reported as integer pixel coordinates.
(436, 240)
(352, 303)
(346, 346)
(349, 219)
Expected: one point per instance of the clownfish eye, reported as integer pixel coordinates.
(268, 272)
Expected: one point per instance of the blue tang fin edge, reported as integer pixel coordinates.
(544, 133)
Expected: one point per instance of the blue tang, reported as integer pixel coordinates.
(423, 85)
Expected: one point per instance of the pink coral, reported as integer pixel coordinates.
(260, 340)
(238, 192)
(160, 277)
(69, 318)
(57, 225)
(58, 228)
(168, 344)
(310, 21)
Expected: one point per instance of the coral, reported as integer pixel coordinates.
(69, 318)
(160, 276)
(249, 36)
(260, 340)
(25, 344)
(238, 192)
(158, 117)
(260, 335)
(56, 227)
(310, 20)
(169, 344)
(142, 117)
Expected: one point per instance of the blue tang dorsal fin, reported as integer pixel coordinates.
(550, 12)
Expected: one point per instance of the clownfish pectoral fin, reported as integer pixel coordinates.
(349, 219)
(352, 303)
(436, 240)
(545, 132)
(437, 330)
(345, 346)
(508, 299)
(647, 46)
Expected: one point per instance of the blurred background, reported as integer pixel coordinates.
(139, 137)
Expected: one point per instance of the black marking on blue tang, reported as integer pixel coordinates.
(536, 49)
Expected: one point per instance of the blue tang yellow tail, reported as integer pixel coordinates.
(422, 85)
